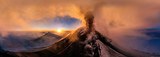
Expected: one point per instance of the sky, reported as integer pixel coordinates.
(64, 22)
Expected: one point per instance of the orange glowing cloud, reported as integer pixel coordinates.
(17, 14)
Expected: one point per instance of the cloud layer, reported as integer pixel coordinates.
(17, 14)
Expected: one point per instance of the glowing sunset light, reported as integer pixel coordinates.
(59, 30)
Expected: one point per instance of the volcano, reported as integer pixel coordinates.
(85, 41)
